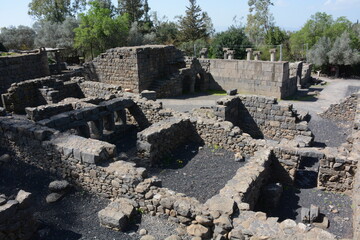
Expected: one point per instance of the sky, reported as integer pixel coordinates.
(289, 14)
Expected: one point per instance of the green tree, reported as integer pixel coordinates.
(134, 9)
(195, 24)
(99, 30)
(165, 30)
(342, 53)
(56, 35)
(54, 10)
(259, 20)
(318, 54)
(21, 37)
(136, 37)
(234, 38)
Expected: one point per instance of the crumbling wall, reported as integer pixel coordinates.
(343, 111)
(135, 68)
(263, 117)
(18, 68)
(16, 217)
(98, 89)
(252, 77)
(295, 71)
(40, 91)
(158, 140)
(71, 157)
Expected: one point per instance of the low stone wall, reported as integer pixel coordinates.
(263, 117)
(158, 140)
(245, 186)
(295, 72)
(71, 157)
(343, 111)
(18, 68)
(36, 92)
(98, 89)
(252, 77)
(16, 217)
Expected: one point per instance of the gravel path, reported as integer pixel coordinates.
(197, 173)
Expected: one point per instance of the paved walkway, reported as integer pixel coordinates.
(333, 92)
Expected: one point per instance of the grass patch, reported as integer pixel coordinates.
(5, 54)
(216, 92)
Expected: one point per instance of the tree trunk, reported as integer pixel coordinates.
(337, 71)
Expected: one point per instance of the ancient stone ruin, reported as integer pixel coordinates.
(73, 126)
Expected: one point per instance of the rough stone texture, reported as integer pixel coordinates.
(135, 68)
(343, 111)
(296, 72)
(306, 74)
(18, 68)
(262, 117)
(161, 138)
(16, 218)
(40, 91)
(252, 77)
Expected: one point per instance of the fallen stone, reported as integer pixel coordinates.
(198, 230)
(24, 199)
(59, 186)
(123, 205)
(236, 234)
(204, 220)
(238, 157)
(149, 95)
(5, 158)
(2, 201)
(54, 197)
(148, 237)
(113, 219)
(143, 232)
(173, 237)
(223, 222)
(231, 92)
(221, 204)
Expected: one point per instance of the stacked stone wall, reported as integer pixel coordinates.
(306, 74)
(98, 89)
(16, 217)
(15, 69)
(252, 77)
(343, 111)
(135, 68)
(40, 91)
(263, 117)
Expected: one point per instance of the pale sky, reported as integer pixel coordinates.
(288, 14)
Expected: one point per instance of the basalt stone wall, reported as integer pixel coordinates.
(15, 69)
(98, 89)
(263, 117)
(71, 157)
(252, 77)
(16, 217)
(158, 140)
(40, 91)
(296, 71)
(343, 111)
(135, 68)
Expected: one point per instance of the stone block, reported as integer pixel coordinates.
(113, 219)
(149, 95)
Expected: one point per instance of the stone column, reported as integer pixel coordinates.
(257, 55)
(96, 129)
(204, 53)
(225, 50)
(109, 122)
(231, 54)
(272, 54)
(249, 52)
(120, 117)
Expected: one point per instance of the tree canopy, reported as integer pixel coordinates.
(100, 30)
(259, 20)
(54, 10)
(21, 37)
(195, 24)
